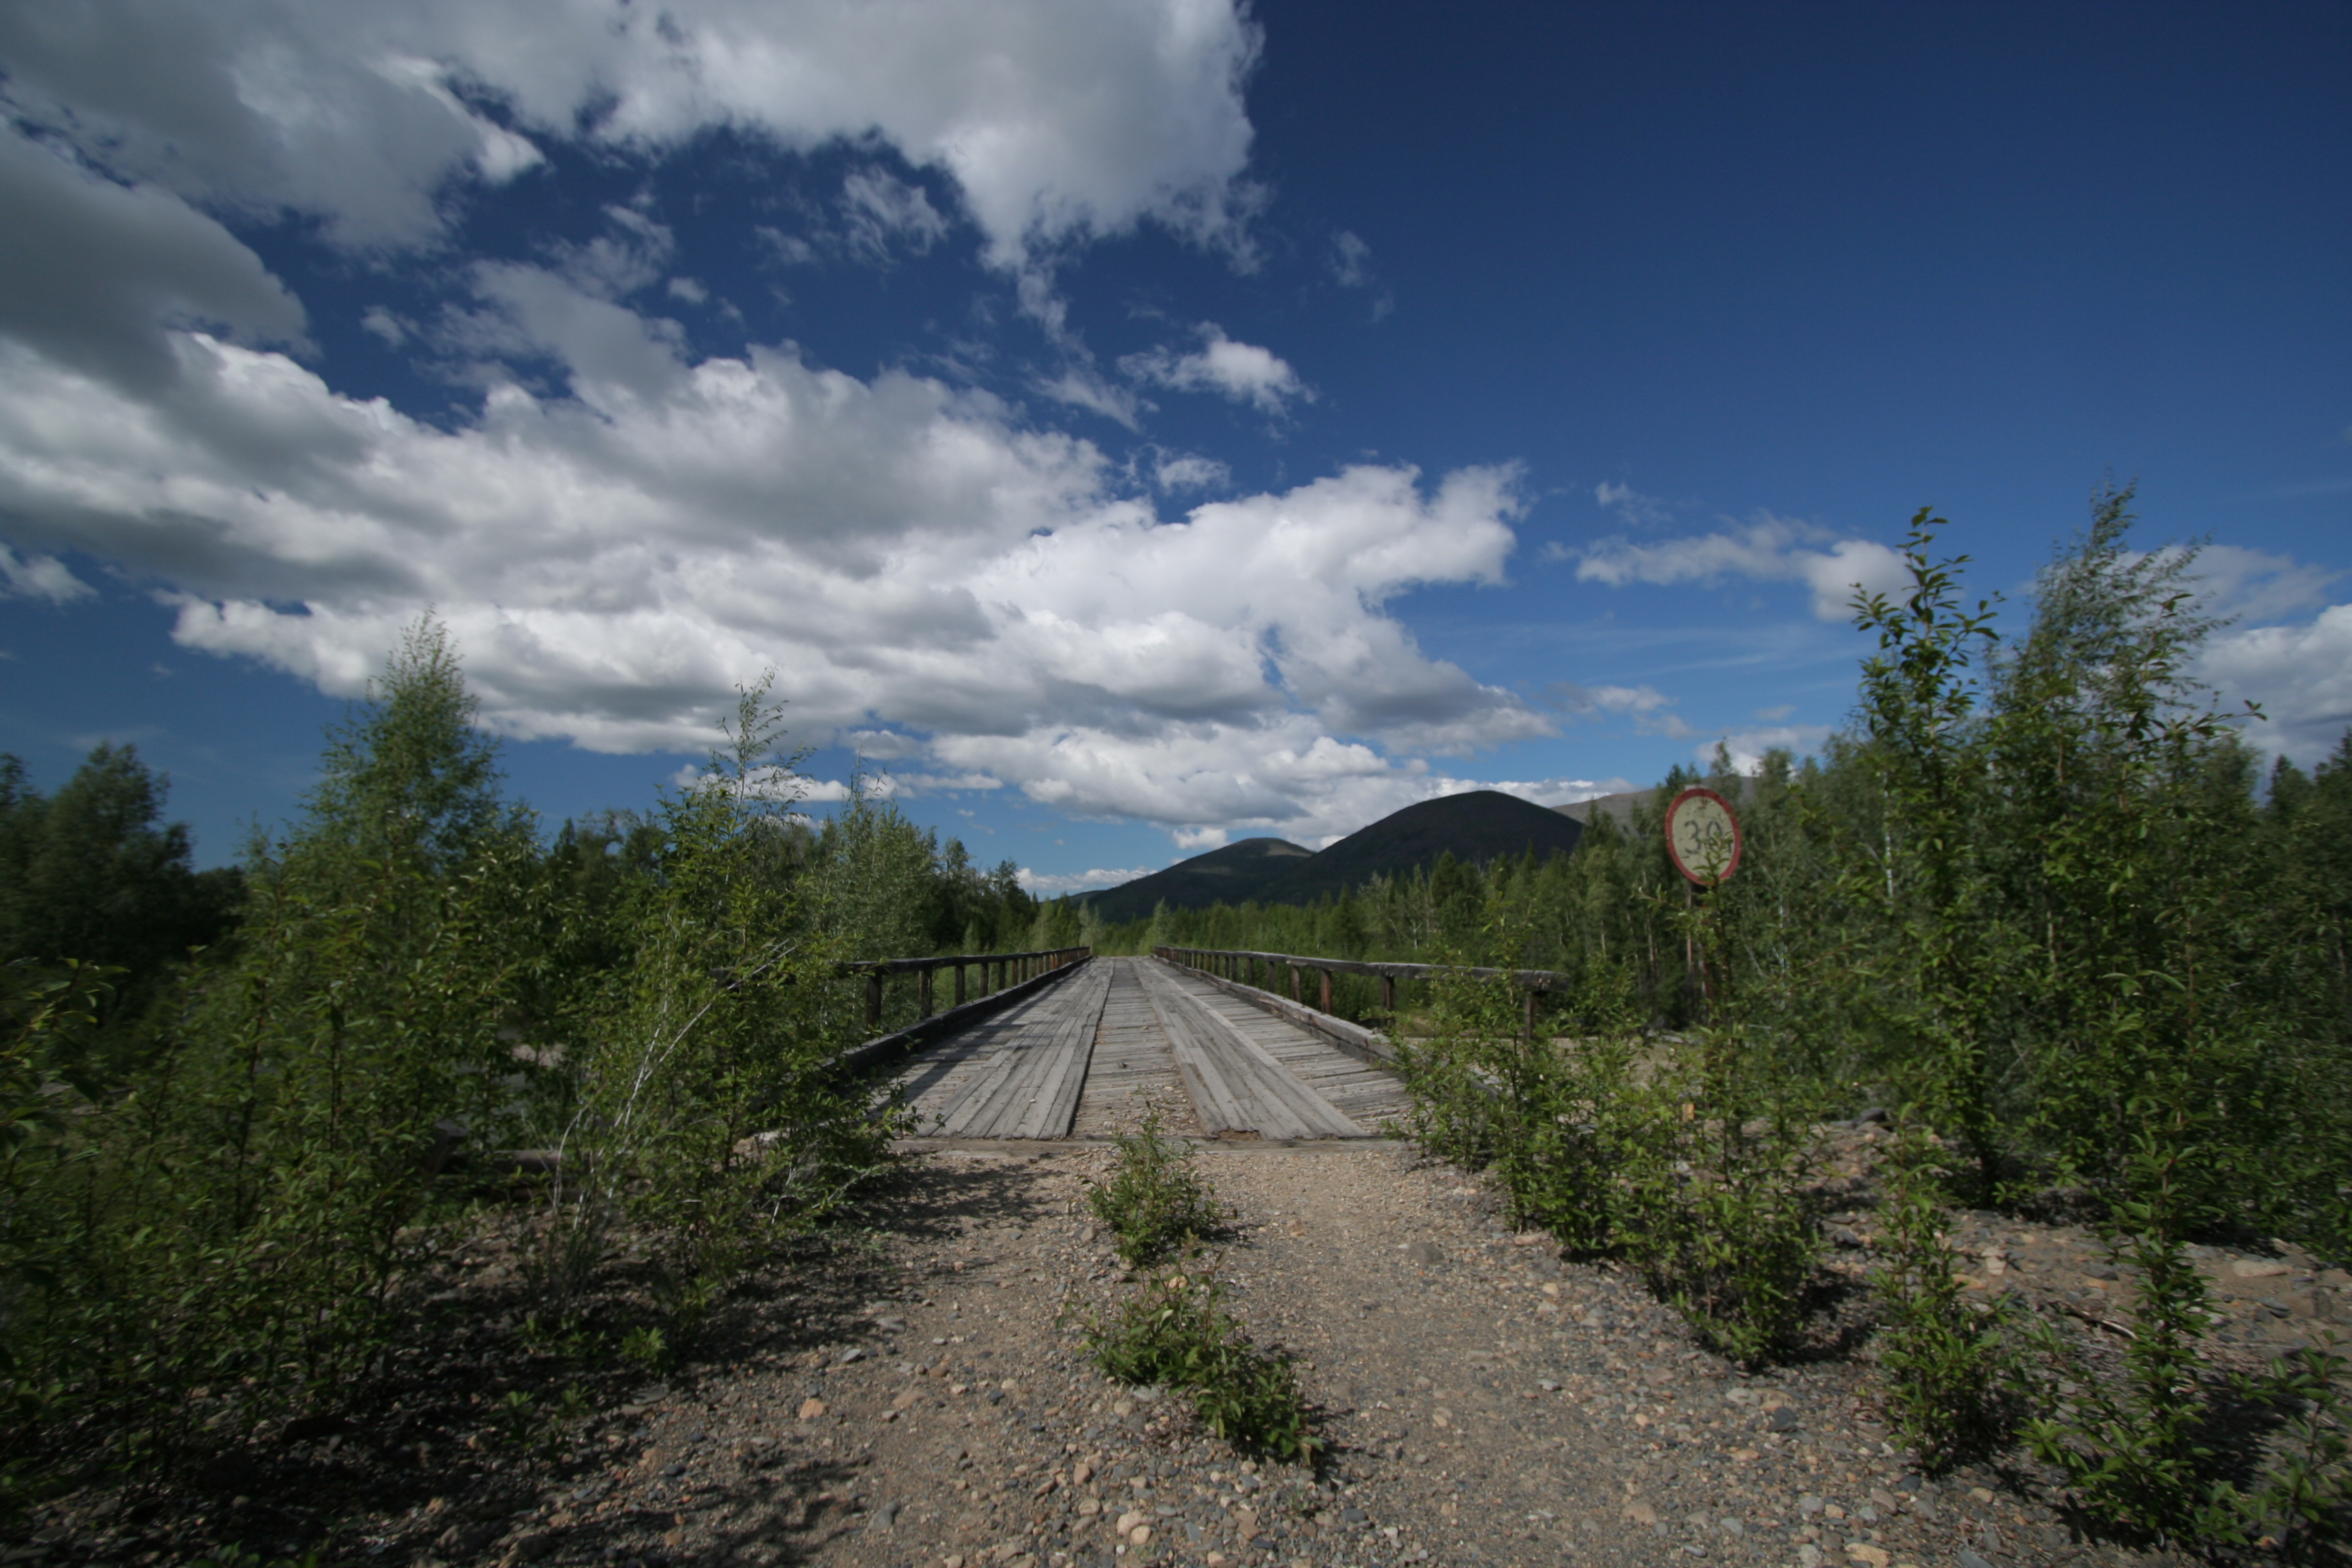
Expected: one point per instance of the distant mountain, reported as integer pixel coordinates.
(1618, 807)
(1481, 825)
(1233, 874)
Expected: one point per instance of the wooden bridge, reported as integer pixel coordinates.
(1089, 1045)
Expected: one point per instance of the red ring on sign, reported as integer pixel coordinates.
(1739, 840)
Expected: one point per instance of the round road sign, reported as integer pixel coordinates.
(1702, 836)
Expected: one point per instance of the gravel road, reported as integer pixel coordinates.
(1485, 1404)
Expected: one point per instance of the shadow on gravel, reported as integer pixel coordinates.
(489, 1409)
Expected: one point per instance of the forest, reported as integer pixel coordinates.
(2041, 908)
(2038, 903)
(244, 1111)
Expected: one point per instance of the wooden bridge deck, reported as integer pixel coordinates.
(1087, 1057)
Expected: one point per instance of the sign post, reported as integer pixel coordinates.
(1704, 841)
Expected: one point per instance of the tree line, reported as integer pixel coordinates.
(2040, 902)
(245, 1112)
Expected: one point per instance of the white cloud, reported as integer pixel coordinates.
(1632, 507)
(1241, 372)
(1056, 119)
(1082, 386)
(911, 560)
(1772, 548)
(1053, 885)
(1188, 471)
(1193, 840)
(2259, 585)
(1778, 712)
(1747, 746)
(886, 214)
(1593, 700)
(689, 290)
(2302, 676)
(39, 577)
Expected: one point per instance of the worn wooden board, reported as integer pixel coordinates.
(1017, 1074)
(1134, 1072)
(1092, 1054)
(1364, 1094)
(1237, 1085)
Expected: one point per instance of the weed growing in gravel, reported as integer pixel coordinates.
(1175, 1331)
(1946, 1365)
(1155, 1201)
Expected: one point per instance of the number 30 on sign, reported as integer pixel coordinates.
(1702, 836)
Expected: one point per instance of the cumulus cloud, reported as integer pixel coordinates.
(1772, 549)
(2259, 585)
(1056, 119)
(1241, 372)
(2301, 675)
(909, 557)
(93, 272)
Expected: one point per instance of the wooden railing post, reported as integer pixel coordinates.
(1327, 990)
(1296, 994)
(959, 969)
(923, 992)
(1531, 1016)
(874, 999)
(1388, 994)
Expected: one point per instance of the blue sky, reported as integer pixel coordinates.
(1130, 427)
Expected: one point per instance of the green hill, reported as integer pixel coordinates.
(1232, 875)
(1481, 825)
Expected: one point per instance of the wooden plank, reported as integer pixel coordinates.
(1245, 1086)
(1134, 1070)
(1023, 1088)
(1364, 1094)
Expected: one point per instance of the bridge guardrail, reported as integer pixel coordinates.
(1016, 973)
(1010, 969)
(1240, 965)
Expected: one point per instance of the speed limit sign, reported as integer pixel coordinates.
(1703, 836)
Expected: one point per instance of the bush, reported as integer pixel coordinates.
(1173, 1332)
(1154, 1203)
(1947, 1367)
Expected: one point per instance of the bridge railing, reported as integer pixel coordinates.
(998, 972)
(1240, 966)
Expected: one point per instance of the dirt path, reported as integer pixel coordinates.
(1486, 1405)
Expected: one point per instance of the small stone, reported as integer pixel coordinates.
(1641, 1513)
(851, 1355)
(1081, 1473)
(1782, 1420)
(1809, 1505)
(2258, 1269)
(1864, 1552)
(907, 1400)
(1140, 1536)
(1980, 1494)
(1425, 1253)
(812, 1409)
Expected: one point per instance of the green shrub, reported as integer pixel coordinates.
(1155, 1201)
(1717, 1212)
(1173, 1331)
(1947, 1366)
